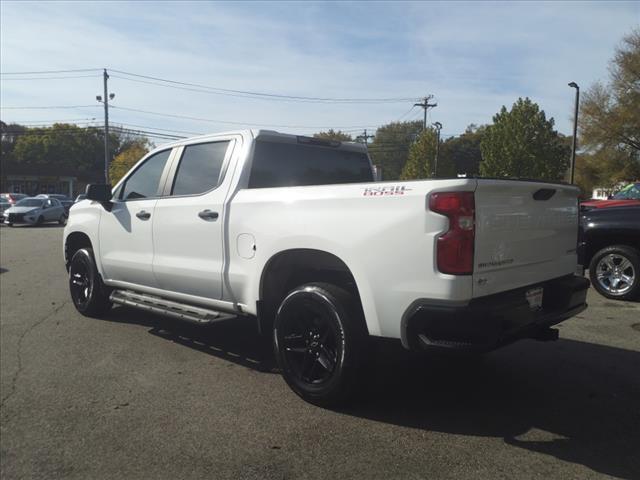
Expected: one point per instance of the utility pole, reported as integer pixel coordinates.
(426, 106)
(438, 126)
(365, 137)
(105, 101)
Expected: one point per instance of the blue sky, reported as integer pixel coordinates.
(473, 57)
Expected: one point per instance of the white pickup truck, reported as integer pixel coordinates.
(295, 232)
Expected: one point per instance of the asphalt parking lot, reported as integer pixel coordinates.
(137, 396)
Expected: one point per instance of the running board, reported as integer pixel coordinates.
(168, 308)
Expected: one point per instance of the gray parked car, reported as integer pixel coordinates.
(4, 204)
(63, 199)
(36, 211)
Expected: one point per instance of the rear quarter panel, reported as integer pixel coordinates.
(383, 232)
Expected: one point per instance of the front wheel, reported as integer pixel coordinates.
(88, 293)
(615, 272)
(319, 338)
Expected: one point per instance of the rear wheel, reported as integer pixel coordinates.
(89, 295)
(319, 342)
(615, 272)
(40, 220)
(63, 219)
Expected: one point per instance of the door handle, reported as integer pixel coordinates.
(208, 215)
(143, 215)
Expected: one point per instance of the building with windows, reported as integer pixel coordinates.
(35, 179)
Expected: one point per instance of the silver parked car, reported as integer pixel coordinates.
(36, 211)
(63, 199)
(4, 204)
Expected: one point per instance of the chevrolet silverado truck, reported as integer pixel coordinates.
(609, 246)
(295, 232)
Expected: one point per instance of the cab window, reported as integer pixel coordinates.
(144, 182)
(199, 168)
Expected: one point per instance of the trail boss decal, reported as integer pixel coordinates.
(385, 191)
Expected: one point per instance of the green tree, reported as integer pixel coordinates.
(68, 147)
(390, 147)
(332, 134)
(610, 114)
(609, 123)
(9, 133)
(462, 153)
(63, 145)
(587, 175)
(421, 157)
(127, 158)
(523, 143)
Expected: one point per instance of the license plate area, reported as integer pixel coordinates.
(534, 298)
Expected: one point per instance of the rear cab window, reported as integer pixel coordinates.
(306, 162)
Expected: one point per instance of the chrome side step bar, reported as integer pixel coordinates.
(168, 308)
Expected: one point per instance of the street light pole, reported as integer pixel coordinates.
(575, 130)
(438, 126)
(106, 128)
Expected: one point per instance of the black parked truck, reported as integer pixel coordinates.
(609, 246)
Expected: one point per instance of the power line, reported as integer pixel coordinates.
(147, 133)
(77, 130)
(162, 129)
(49, 78)
(268, 95)
(245, 124)
(261, 96)
(42, 72)
(63, 120)
(406, 113)
(50, 107)
(187, 117)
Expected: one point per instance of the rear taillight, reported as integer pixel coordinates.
(455, 247)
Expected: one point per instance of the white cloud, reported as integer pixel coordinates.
(473, 57)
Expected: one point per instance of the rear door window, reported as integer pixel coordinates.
(199, 169)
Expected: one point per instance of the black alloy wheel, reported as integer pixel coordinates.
(318, 339)
(89, 295)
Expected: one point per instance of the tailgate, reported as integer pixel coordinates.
(526, 233)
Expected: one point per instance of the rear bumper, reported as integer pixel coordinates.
(489, 322)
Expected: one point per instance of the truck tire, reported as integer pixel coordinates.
(615, 272)
(319, 339)
(89, 294)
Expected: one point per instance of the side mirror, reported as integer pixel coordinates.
(98, 192)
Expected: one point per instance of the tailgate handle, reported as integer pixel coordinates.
(544, 194)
